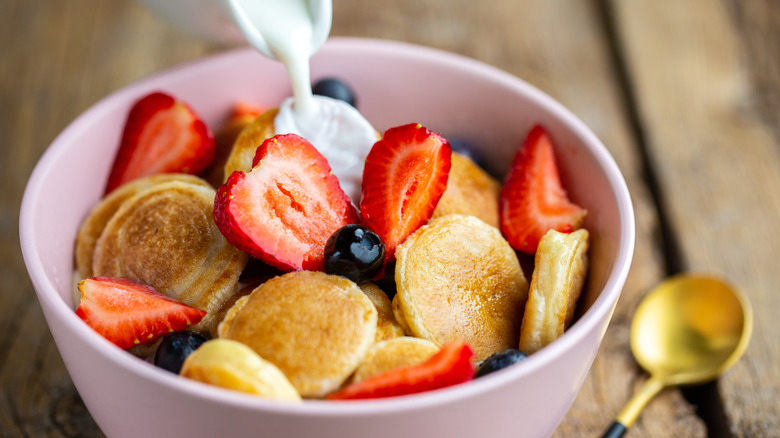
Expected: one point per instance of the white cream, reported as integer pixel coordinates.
(286, 29)
(291, 31)
(338, 131)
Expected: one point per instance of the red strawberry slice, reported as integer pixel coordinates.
(162, 135)
(128, 313)
(532, 200)
(403, 179)
(450, 366)
(284, 210)
(246, 110)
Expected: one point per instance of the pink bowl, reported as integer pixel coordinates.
(396, 83)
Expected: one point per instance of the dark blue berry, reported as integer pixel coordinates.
(175, 347)
(463, 147)
(354, 252)
(387, 282)
(499, 361)
(335, 88)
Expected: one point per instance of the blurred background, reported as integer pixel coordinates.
(685, 95)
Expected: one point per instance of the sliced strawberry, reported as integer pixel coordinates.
(162, 135)
(532, 200)
(128, 313)
(246, 110)
(450, 366)
(284, 210)
(403, 179)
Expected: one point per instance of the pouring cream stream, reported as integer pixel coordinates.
(291, 31)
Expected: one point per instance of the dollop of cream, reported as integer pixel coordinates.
(338, 131)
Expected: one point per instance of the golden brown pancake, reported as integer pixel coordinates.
(458, 279)
(386, 325)
(225, 138)
(221, 313)
(394, 353)
(97, 219)
(232, 365)
(559, 273)
(313, 326)
(165, 237)
(250, 138)
(470, 191)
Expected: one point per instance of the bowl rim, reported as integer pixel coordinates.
(600, 309)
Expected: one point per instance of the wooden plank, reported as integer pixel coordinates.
(707, 76)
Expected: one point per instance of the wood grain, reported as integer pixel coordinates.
(711, 123)
(58, 58)
(684, 95)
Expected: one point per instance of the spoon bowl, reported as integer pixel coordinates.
(688, 330)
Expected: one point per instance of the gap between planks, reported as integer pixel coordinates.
(706, 398)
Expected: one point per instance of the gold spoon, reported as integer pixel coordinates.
(688, 330)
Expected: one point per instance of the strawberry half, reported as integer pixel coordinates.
(245, 110)
(532, 200)
(128, 313)
(284, 210)
(403, 179)
(450, 366)
(161, 135)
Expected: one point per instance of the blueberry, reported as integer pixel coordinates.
(335, 88)
(463, 147)
(499, 361)
(175, 347)
(354, 252)
(387, 282)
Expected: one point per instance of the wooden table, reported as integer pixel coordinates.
(685, 94)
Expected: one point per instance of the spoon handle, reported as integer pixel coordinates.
(631, 410)
(616, 430)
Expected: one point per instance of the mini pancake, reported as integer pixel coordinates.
(394, 353)
(458, 279)
(232, 365)
(315, 327)
(559, 273)
(165, 237)
(250, 138)
(470, 191)
(225, 138)
(221, 313)
(97, 219)
(386, 325)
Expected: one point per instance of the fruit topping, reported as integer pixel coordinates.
(467, 149)
(285, 209)
(245, 111)
(128, 313)
(175, 347)
(404, 177)
(499, 360)
(450, 366)
(532, 199)
(354, 252)
(386, 281)
(232, 365)
(161, 135)
(336, 89)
